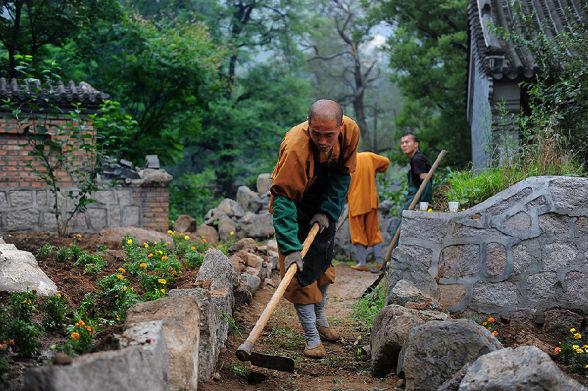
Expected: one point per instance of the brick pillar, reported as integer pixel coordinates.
(152, 194)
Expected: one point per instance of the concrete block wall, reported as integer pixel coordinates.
(523, 251)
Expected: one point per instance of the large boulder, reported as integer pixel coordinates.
(248, 199)
(217, 269)
(525, 368)
(264, 183)
(227, 229)
(180, 317)
(257, 226)
(141, 364)
(436, 350)
(19, 272)
(390, 332)
(185, 223)
(208, 233)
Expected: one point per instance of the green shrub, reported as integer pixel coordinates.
(81, 337)
(22, 306)
(44, 251)
(26, 336)
(93, 264)
(116, 293)
(574, 352)
(70, 253)
(366, 308)
(55, 311)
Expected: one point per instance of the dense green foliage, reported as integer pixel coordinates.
(428, 51)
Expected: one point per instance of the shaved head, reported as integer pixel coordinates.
(327, 110)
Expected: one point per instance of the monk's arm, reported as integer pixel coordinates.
(333, 200)
(286, 225)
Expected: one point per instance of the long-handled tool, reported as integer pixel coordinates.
(396, 237)
(280, 363)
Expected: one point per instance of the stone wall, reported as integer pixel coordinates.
(143, 203)
(523, 251)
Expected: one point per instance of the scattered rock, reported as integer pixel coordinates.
(19, 272)
(185, 223)
(178, 316)
(453, 383)
(207, 232)
(217, 268)
(252, 281)
(61, 359)
(112, 237)
(269, 282)
(243, 295)
(227, 229)
(246, 244)
(390, 332)
(2, 241)
(264, 183)
(272, 245)
(237, 263)
(231, 208)
(216, 376)
(258, 226)
(248, 199)
(405, 292)
(436, 350)
(525, 368)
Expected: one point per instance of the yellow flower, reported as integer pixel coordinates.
(146, 245)
(121, 269)
(232, 233)
(170, 232)
(75, 335)
(78, 236)
(120, 276)
(150, 255)
(129, 241)
(125, 288)
(430, 210)
(160, 252)
(577, 336)
(572, 330)
(143, 265)
(186, 237)
(586, 366)
(162, 291)
(203, 240)
(585, 347)
(484, 323)
(164, 258)
(193, 248)
(575, 347)
(579, 351)
(162, 281)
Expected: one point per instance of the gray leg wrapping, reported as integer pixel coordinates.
(319, 309)
(307, 319)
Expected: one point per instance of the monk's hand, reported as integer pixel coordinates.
(293, 257)
(321, 219)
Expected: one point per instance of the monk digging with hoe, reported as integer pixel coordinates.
(309, 189)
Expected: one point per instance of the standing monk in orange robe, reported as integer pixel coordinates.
(309, 185)
(363, 208)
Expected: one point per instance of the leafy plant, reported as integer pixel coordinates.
(70, 253)
(44, 251)
(26, 337)
(574, 352)
(117, 295)
(55, 312)
(93, 264)
(81, 336)
(366, 308)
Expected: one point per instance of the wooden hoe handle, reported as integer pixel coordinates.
(244, 351)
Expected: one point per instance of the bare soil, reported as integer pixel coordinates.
(344, 368)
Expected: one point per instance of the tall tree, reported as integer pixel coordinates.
(428, 54)
(27, 26)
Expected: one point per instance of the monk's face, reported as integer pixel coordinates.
(324, 132)
(408, 145)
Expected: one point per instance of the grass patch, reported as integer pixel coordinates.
(366, 308)
(287, 338)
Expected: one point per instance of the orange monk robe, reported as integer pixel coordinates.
(363, 199)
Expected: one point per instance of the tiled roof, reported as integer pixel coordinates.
(22, 90)
(500, 58)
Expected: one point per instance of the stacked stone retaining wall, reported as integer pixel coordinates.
(523, 251)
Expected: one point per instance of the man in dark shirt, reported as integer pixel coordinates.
(419, 167)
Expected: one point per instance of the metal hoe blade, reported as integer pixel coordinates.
(279, 363)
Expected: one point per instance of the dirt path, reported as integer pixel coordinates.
(344, 368)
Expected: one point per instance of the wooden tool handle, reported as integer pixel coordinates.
(244, 351)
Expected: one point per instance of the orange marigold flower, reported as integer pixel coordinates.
(557, 350)
(150, 255)
(89, 329)
(143, 265)
(193, 248)
(164, 258)
(495, 333)
(75, 335)
(491, 319)
(121, 269)
(484, 323)
(11, 341)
